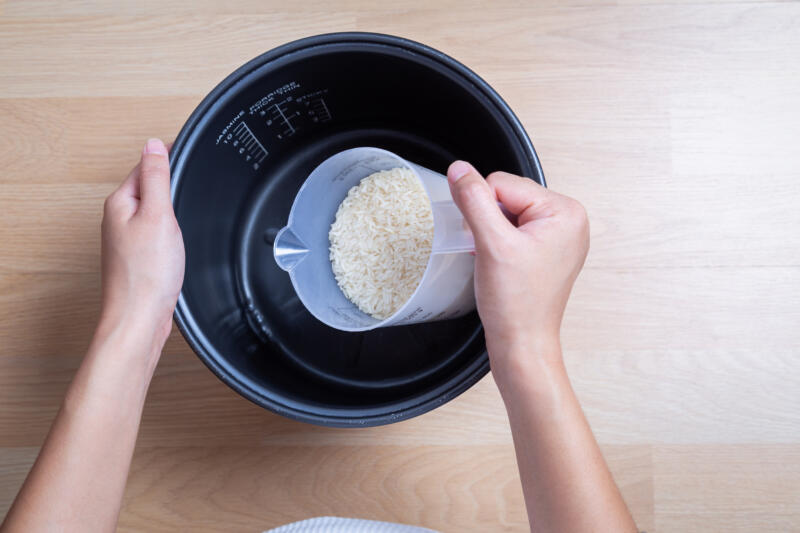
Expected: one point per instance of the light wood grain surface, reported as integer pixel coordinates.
(677, 124)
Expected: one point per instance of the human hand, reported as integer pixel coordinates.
(143, 255)
(524, 270)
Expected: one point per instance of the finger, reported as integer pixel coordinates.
(130, 185)
(477, 203)
(522, 196)
(124, 201)
(154, 176)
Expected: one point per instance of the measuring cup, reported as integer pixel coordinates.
(302, 247)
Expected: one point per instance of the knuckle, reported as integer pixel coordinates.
(471, 191)
(501, 251)
(578, 215)
(153, 216)
(160, 217)
(500, 175)
(577, 209)
(504, 248)
(154, 164)
(152, 173)
(571, 206)
(111, 203)
(494, 177)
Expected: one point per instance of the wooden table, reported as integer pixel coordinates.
(676, 123)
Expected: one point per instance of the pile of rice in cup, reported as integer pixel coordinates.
(381, 240)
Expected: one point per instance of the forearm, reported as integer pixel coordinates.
(565, 480)
(79, 478)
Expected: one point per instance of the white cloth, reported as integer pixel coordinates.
(332, 524)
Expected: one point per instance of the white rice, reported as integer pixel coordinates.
(381, 240)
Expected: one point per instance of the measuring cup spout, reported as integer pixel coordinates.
(288, 249)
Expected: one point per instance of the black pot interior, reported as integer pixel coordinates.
(238, 170)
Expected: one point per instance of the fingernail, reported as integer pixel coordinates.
(155, 146)
(458, 170)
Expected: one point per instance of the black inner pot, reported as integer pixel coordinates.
(236, 167)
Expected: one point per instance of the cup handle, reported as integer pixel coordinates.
(451, 235)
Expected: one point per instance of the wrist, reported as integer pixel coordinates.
(526, 345)
(530, 358)
(120, 362)
(141, 335)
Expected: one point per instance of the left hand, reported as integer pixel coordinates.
(143, 254)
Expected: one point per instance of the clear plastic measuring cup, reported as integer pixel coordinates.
(302, 247)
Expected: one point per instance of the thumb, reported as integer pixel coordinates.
(154, 176)
(477, 203)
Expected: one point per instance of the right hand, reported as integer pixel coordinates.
(524, 271)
